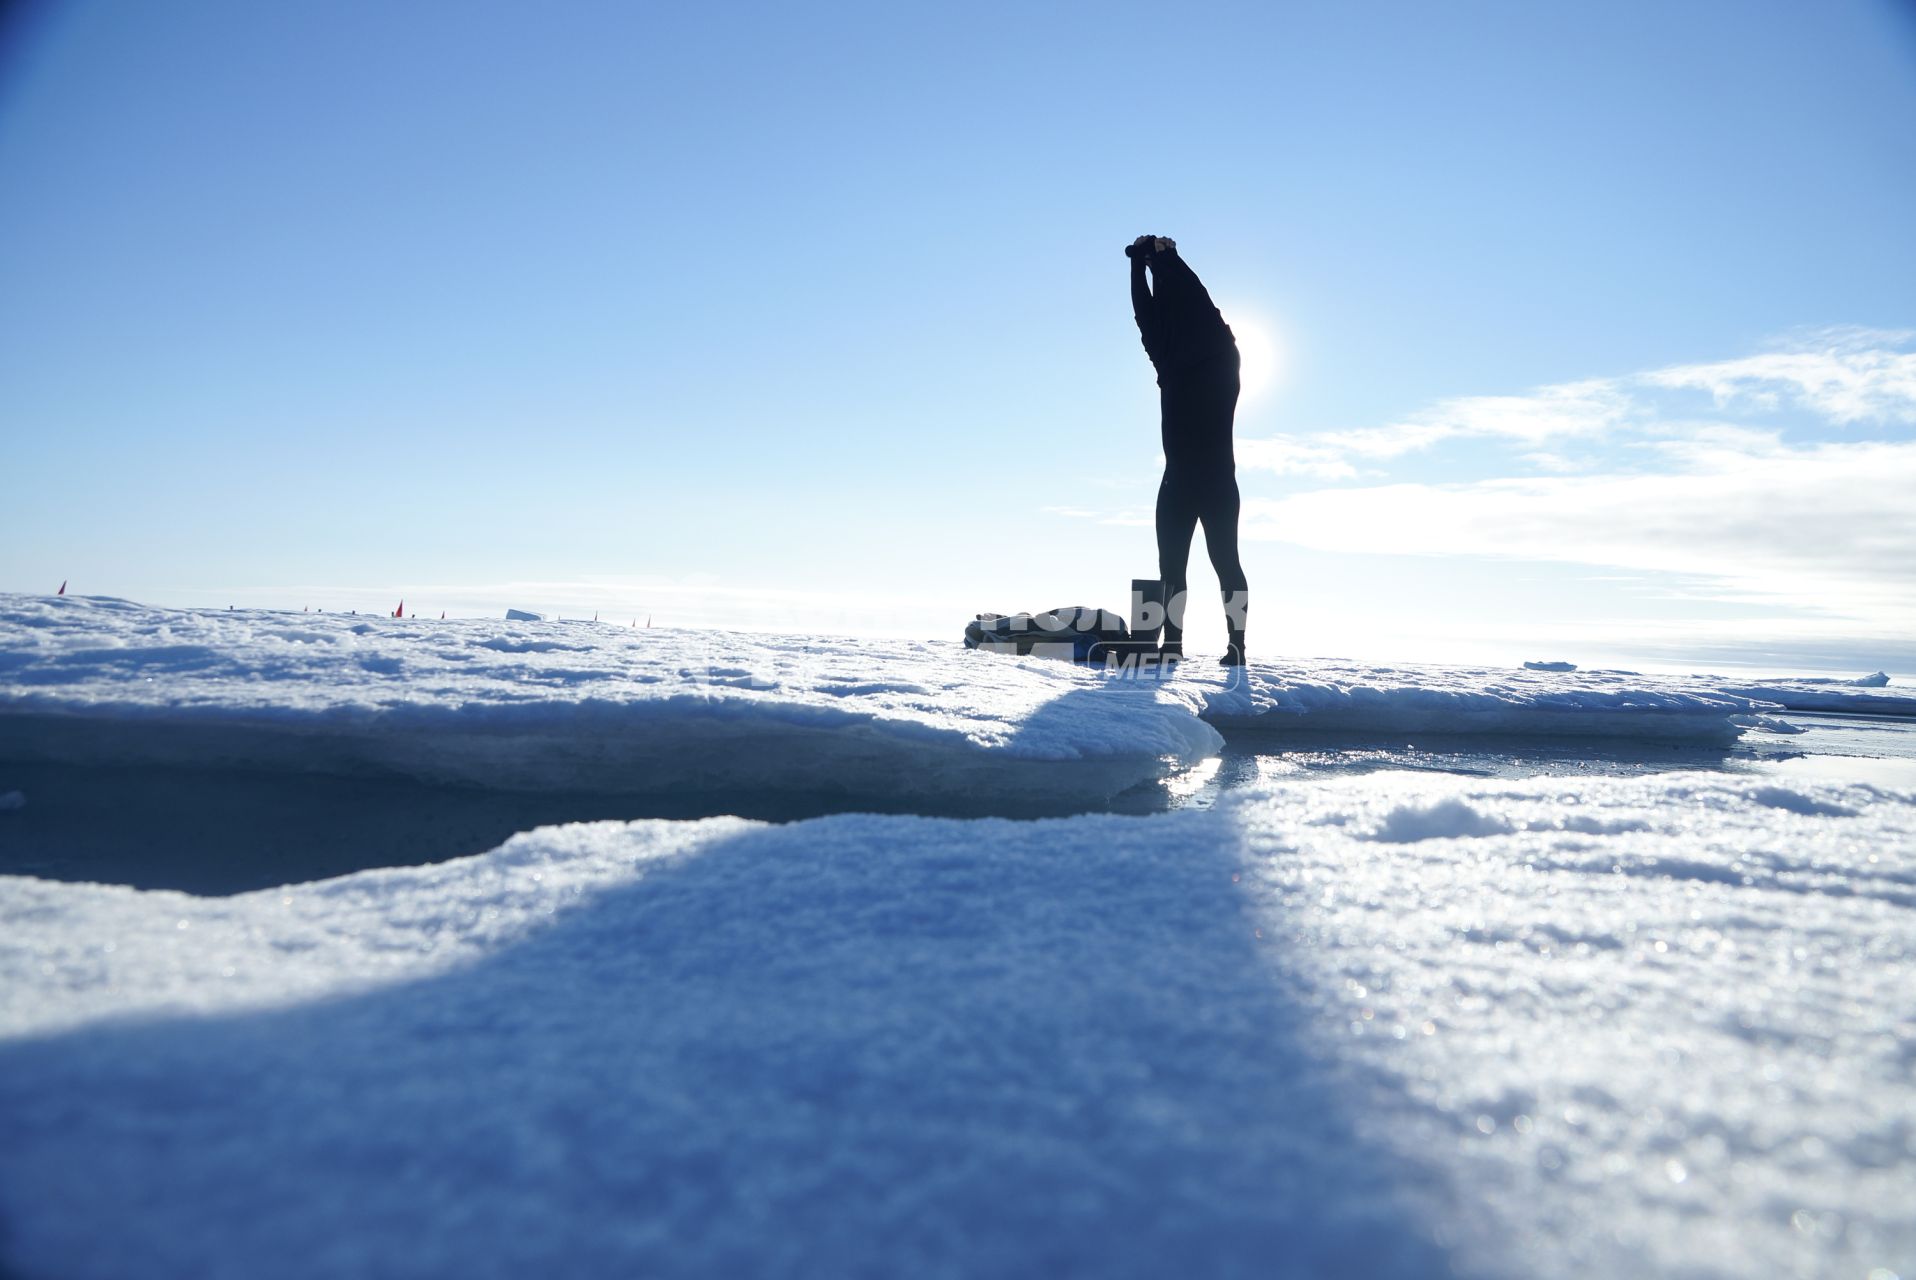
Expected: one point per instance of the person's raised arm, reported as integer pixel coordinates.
(1144, 307)
(1141, 300)
(1184, 304)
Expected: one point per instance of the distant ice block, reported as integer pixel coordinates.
(1875, 680)
(521, 615)
(1346, 697)
(1549, 666)
(1769, 724)
(1867, 695)
(541, 706)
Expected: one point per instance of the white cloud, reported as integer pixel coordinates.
(1289, 455)
(1826, 529)
(1706, 446)
(1845, 375)
(1588, 408)
(1557, 463)
(1126, 517)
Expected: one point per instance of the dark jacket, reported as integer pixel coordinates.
(1196, 358)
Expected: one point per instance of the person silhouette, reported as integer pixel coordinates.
(1196, 358)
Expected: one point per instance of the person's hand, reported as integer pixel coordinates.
(1163, 244)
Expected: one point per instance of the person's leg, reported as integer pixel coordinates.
(1219, 512)
(1177, 522)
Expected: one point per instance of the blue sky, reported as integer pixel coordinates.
(1582, 330)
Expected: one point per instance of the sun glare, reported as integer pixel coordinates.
(1262, 355)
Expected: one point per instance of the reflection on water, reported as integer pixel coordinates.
(1873, 749)
(1895, 772)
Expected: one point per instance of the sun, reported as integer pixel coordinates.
(1262, 357)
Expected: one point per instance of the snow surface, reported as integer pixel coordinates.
(575, 706)
(1398, 1025)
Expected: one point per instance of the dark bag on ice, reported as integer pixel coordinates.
(1068, 633)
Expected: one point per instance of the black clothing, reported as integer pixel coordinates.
(1184, 502)
(1196, 358)
(1197, 362)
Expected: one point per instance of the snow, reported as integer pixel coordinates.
(533, 706)
(1396, 1025)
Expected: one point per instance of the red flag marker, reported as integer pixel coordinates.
(400, 612)
(63, 588)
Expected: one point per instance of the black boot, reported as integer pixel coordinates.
(1172, 649)
(1237, 606)
(1147, 609)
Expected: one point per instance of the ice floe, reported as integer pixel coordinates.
(572, 706)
